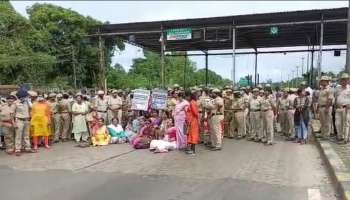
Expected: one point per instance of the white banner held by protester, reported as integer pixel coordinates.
(140, 100)
(159, 99)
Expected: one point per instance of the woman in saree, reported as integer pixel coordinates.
(116, 132)
(192, 121)
(40, 122)
(179, 115)
(145, 136)
(100, 135)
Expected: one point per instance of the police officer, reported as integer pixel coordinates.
(102, 105)
(228, 113)
(7, 114)
(64, 110)
(267, 112)
(255, 115)
(216, 117)
(22, 123)
(283, 105)
(204, 99)
(115, 103)
(238, 107)
(342, 100)
(325, 102)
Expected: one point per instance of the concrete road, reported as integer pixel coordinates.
(241, 171)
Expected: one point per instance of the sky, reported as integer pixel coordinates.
(270, 66)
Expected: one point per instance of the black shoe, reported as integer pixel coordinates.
(216, 149)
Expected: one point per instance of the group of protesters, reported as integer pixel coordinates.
(31, 119)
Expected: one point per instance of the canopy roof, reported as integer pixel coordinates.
(296, 28)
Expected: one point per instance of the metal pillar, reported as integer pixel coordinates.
(319, 60)
(102, 82)
(347, 67)
(311, 75)
(185, 67)
(206, 69)
(162, 46)
(256, 69)
(233, 55)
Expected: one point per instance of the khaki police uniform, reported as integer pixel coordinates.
(203, 111)
(239, 106)
(115, 108)
(267, 106)
(228, 116)
(283, 106)
(325, 101)
(342, 99)
(101, 107)
(255, 116)
(56, 119)
(64, 110)
(216, 107)
(22, 121)
(7, 114)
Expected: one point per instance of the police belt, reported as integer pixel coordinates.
(258, 110)
(341, 107)
(101, 111)
(22, 119)
(217, 114)
(265, 110)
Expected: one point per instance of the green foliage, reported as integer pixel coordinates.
(145, 72)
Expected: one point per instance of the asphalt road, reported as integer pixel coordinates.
(242, 171)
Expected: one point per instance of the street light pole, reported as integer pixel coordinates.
(302, 65)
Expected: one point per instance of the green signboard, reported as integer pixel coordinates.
(243, 82)
(179, 34)
(274, 30)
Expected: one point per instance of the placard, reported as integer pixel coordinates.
(159, 99)
(140, 100)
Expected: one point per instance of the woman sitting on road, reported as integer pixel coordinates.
(144, 138)
(100, 135)
(116, 132)
(167, 141)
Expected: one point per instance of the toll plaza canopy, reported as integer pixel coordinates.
(280, 29)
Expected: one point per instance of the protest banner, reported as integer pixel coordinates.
(140, 100)
(159, 99)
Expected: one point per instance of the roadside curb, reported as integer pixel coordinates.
(337, 170)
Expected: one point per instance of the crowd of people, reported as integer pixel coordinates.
(31, 119)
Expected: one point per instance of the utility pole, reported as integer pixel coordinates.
(74, 67)
(347, 67)
(297, 71)
(302, 66)
(102, 63)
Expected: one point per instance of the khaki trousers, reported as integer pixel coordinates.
(291, 131)
(268, 132)
(255, 126)
(284, 122)
(347, 126)
(241, 124)
(247, 122)
(228, 116)
(326, 121)
(340, 118)
(57, 126)
(216, 130)
(22, 135)
(66, 122)
(115, 114)
(9, 137)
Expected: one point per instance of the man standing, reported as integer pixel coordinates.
(22, 123)
(238, 107)
(255, 115)
(228, 113)
(102, 105)
(267, 111)
(115, 103)
(325, 102)
(64, 109)
(204, 99)
(7, 114)
(342, 100)
(216, 117)
(283, 106)
(55, 126)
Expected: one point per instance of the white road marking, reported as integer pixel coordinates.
(314, 194)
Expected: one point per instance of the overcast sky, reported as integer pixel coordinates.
(270, 66)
